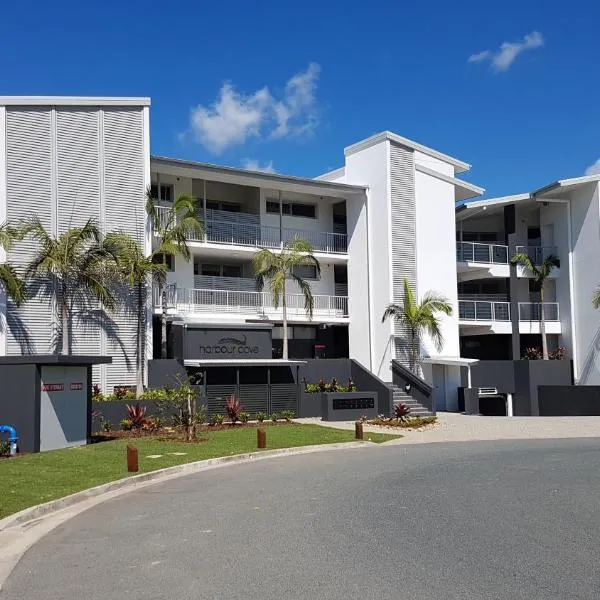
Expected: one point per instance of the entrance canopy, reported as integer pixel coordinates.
(267, 362)
(453, 361)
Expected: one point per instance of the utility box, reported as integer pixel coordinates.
(48, 399)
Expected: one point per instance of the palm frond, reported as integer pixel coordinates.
(309, 301)
(596, 298)
(395, 311)
(13, 285)
(524, 260)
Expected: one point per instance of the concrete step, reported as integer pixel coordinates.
(401, 397)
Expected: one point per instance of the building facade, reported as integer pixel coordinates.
(395, 211)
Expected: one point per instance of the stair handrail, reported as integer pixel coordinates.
(413, 379)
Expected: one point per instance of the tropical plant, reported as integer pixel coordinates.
(217, 419)
(126, 424)
(418, 318)
(13, 285)
(72, 268)
(288, 415)
(277, 267)
(274, 417)
(596, 298)
(233, 408)
(539, 273)
(136, 270)
(244, 417)
(171, 231)
(401, 411)
(137, 415)
(261, 416)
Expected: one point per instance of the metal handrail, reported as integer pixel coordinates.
(478, 252)
(485, 310)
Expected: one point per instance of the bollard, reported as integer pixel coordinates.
(358, 430)
(261, 436)
(132, 459)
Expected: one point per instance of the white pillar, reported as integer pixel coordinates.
(509, 405)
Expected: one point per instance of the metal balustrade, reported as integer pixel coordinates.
(485, 310)
(244, 229)
(219, 301)
(498, 253)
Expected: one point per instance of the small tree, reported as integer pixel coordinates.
(13, 285)
(171, 232)
(539, 274)
(76, 266)
(136, 270)
(418, 318)
(277, 266)
(596, 298)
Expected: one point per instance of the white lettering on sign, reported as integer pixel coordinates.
(53, 387)
(76, 387)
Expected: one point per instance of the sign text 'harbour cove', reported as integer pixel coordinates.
(220, 344)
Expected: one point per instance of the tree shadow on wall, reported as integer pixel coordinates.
(588, 367)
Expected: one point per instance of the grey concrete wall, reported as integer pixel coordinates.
(331, 412)
(499, 374)
(326, 369)
(19, 403)
(577, 400)
(365, 380)
(165, 373)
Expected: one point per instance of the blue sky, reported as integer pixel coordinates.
(272, 83)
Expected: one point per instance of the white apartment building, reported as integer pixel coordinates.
(394, 210)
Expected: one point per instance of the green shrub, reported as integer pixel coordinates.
(288, 415)
(261, 416)
(217, 419)
(4, 448)
(126, 424)
(105, 425)
(244, 417)
(274, 417)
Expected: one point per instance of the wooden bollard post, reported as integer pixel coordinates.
(132, 459)
(261, 436)
(358, 430)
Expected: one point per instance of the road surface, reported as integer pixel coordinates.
(517, 519)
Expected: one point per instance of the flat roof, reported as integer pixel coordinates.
(265, 179)
(232, 325)
(566, 184)
(464, 189)
(73, 101)
(459, 165)
(500, 201)
(55, 359)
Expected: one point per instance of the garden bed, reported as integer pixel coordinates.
(406, 423)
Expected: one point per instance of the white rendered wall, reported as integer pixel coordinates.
(369, 284)
(434, 163)
(3, 307)
(585, 214)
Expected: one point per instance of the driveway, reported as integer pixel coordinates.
(514, 519)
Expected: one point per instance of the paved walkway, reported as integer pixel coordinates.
(454, 427)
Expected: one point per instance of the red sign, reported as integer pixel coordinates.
(76, 387)
(53, 387)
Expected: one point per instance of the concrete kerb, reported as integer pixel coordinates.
(20, 531)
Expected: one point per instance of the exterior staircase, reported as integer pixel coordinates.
(401, 397)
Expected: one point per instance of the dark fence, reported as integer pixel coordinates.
(569, 400)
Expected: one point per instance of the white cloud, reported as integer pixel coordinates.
(505, 56)
(593, 169)
(234, 117)
(254, 165)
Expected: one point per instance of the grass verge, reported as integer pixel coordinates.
(36, 478)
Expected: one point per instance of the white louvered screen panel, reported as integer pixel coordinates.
(28, 191)
(124, 211)
(78, 192)
(404, 264)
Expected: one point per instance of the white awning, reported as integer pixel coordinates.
(453, 361)
(248, 362)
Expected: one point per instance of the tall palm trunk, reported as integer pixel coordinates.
(285, 325)
(140, 341)
(64, 314)
(413, 351)
(163, 316)
(543, 325)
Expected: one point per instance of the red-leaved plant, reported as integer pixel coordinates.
(401, 411)
(137, 415)
(233, 408)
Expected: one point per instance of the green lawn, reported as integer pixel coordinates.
(36, 478)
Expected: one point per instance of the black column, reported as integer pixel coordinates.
(510, 227)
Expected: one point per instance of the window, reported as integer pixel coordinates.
(210, 270)
(225, 206)
(296, 209)
(305, 333)
(232, 271)
(305, 271)
(213, 270)
(158, 259)
(166, 192)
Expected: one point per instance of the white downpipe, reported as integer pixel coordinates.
(509, 405)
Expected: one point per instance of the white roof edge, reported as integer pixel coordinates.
(341, 171)
(450, 360)
(72, 101)
(459, 165)
(191, 362)
(567, 183)
(494, 201)
(471, 187)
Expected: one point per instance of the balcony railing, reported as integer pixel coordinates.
(498, 253)
(241, 302)
(244, 229)
(484, 310)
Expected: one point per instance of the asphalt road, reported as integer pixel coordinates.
(484, 520)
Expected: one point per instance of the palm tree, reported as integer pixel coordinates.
(136, 270)
(539, 274)
(73, 265)
(418, 318)
(277, 267)
(13, 285)
(171, 231)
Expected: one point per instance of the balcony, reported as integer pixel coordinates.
(251, 304)
(244, 229)
(495, 316)
(482, 261)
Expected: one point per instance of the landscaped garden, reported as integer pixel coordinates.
(35, 478)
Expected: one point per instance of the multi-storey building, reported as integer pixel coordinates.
(395, 210)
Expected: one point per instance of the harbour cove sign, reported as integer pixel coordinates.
(224, 344)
